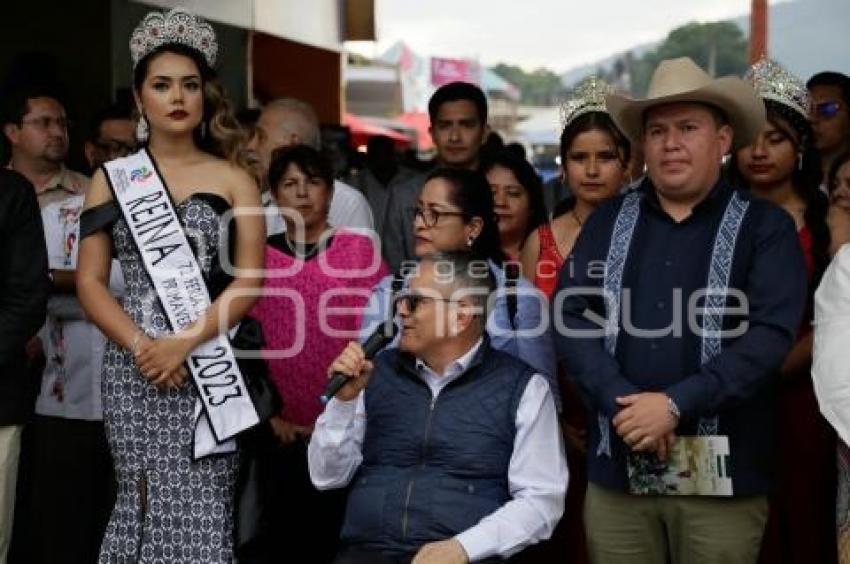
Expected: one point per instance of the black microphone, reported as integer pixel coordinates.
(382, 336)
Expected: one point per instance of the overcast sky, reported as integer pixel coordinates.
(558, 34)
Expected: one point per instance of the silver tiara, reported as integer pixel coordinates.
(175, 26)
(772, 82)
(587, 96)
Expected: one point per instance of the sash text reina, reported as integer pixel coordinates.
(151, 226)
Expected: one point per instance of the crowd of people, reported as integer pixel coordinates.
(651, 369)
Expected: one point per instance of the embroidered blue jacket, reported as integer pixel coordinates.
(659, 342)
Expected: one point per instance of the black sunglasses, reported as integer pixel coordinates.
(412, 300)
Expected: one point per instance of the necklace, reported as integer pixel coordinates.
(576, 217)
(303, 251)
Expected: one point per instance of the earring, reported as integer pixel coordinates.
(142, 130)
(469, 241)
(799, 161)
(203, 129)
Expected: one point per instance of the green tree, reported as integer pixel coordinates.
(540, 87)
(717, 47)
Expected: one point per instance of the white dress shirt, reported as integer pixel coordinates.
(537, 472)
(73, 346)
(349, 208)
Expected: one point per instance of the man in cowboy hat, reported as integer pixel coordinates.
(700, 298)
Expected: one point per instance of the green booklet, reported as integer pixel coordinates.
(694, 466)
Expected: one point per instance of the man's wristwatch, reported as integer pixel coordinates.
(673, 408)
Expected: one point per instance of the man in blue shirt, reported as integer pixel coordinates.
(674, 314)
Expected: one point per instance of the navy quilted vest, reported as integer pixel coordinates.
(433, 468)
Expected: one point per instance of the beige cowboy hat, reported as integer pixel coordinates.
(681, 80)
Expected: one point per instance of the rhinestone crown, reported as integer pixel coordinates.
(175, 26)
(772, 82)
(587, 96)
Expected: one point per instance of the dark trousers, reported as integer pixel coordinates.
(300, 518)
(69, 492)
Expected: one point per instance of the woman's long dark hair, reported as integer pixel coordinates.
(224, 135)
(805, 181)
(832, 178)
(528, 179)
(471, 193)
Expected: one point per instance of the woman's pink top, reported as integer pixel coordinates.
(309, 311)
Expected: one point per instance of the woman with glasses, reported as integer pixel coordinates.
(316, 276)
(518, 197)
(783, 166)
(455, 212)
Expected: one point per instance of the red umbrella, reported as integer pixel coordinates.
(362, 130)
(422, 122)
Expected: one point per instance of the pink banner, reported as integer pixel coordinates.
(444, 71)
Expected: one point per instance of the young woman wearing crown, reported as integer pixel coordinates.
(783, 166)
(173, 397)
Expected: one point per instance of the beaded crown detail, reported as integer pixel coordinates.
(587, 96)
(175, 26)
(772, 82)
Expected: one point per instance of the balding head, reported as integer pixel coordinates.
(297, 118)
(282, 123)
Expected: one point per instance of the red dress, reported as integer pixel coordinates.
(549, 261)
(801, 524)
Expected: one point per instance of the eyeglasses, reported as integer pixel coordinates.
(412, 300)
(114, 147)
(430, 217)
(45, 122)
(826, 109)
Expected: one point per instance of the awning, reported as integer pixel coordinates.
(422, 123)
(362, 130)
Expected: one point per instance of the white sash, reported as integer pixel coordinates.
(224, 407)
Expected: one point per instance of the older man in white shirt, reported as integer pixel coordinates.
(288, 121)
(452, 447)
